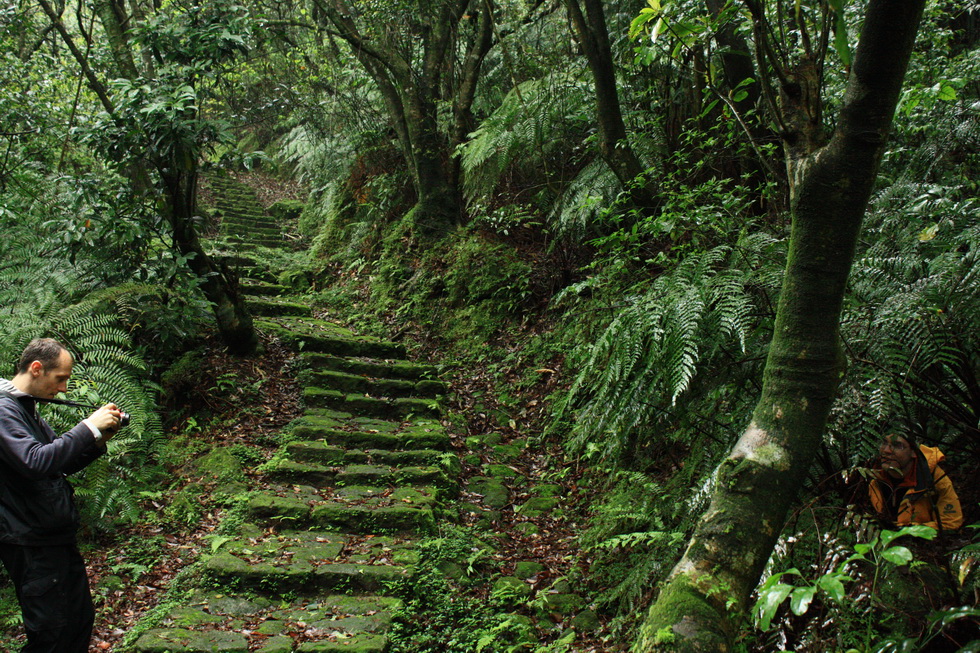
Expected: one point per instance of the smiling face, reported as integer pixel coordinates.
(896, 455)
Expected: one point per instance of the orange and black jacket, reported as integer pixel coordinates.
(925, 496)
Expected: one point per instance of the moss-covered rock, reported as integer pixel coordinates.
(277, 644)
(221, 465)
(286, 210)
(538, 506)
(182, 640)
(561, 604)
(586, 621)
(525, 570)
(495, 493)
(510, 591)
(362, 643)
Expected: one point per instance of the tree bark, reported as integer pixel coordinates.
(412, 91)
(614, 147)
(758, 481)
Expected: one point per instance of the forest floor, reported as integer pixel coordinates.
(131, 568)
(246, 403)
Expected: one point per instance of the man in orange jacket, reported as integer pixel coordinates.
(911, 488)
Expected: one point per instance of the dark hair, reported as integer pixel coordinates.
(46, 351)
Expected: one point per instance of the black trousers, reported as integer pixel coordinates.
(52, 588)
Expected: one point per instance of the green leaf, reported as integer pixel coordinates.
(928, 233)
(769, 601)
(862, 548)
(947, 92)
(840, 32)
(840, 42)
(218, 540)
(800, 599)
(897, 555)
(832, 585)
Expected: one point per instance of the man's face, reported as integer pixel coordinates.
(896, 454)
(46, 382)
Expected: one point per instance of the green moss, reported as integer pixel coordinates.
(683, 608)
(287, 210)
(221, 464)
(182, 375)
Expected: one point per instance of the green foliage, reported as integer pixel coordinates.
(525, 131)
(160, 115)
(45, 296)
(699, 316)
(874, 559)
(436, 615)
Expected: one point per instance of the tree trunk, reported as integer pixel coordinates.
(412, 91)
(758, 481)
(593, 35)
(218, 283)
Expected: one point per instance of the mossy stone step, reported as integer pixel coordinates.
(379, 387)
(249, 220)
(359, 404)
(327, 337)
(256, 288)
(286, 573)
(276, 307)
(240, 221)
(327, 454)
(357, 644)
(335, 620)
(353, 509)
(184, 640)
(389, 369)
(235, 259)
(265, 242)
(338, 428)
(291, 471)
(250, 231)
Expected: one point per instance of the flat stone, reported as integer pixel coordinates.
(525, 570)
(278, 644)
(182, 640)
(392, 369)
(563, 604)
(362, 643)
(495, 493)
(586, 621)
(547, 490)
(538, 506)
(272, 627)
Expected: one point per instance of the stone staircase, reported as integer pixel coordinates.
(243, 220)
(330, 526)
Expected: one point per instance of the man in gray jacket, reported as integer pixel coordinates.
(38, 518)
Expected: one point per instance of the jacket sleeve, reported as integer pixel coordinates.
(24, 454)
(947, 502)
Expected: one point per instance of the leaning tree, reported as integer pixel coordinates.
(831, 178)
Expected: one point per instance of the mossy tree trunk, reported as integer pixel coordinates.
(218, 283)
(708, 591)
(589, 23)
(416, 73)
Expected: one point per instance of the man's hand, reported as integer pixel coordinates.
(106, 419)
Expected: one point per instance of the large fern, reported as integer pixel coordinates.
(44, 295)
(645, 361)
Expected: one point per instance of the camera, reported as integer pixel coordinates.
(123, 419)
